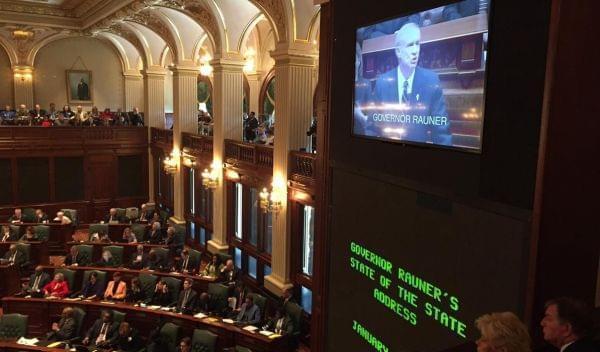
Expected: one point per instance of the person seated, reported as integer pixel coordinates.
(107, 260)
(187, 301)
(502, 332)
(13, 256)
(186, 264)
(93, 288)
(174, 242)
(155, 218)
(136, 293)
(568, 325)
(41, 217)
(128, 236)
(52, 113)
(120, 118)
(106, 117)
(23, 117)
(57, 288)
(145, 215)
(280, 324)
(81, 117)
(213, 268)
(46, 122)
(66, 328)
(61, 218)
(127, 339)
(29, 235)
(136, 118)
(237, 299)
(288, 296)
(101, 237)
(113, 217)
(94, 117)
(37, 281)
(8, 235)
(37, 114)
(116, 289)
(229, 274)
(162, 296)
(139, 259)
(185, 345)
(205, 303)
(249, 313)
(17, 217)
(103, 330)
(156, 261)
(156, 235)
(7, 115)
(74, 258)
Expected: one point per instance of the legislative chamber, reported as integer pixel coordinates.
(299, 175)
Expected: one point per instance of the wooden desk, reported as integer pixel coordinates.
(43, 312)
(10, 280)
(59, 235)
(12, 345)
(115, 231)
(128, 248)
(200, 283)
(38, 253)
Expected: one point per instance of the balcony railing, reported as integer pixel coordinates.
(251, 154)
(161, 137)
(302, 168)
(197, 145)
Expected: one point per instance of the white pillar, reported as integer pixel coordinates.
(228, 97)
(254, 80)
(294, 95)
(185, 119)
(154, 112)
(134, 92)
(23, 85)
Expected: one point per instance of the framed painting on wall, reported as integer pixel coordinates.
(79, 87)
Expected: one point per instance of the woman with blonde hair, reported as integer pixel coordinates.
(502, 332)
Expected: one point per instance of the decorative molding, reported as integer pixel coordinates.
(275, 11)
(206, 20)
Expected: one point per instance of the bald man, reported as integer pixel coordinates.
(410, 98)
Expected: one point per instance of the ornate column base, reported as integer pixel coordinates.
(276, 285)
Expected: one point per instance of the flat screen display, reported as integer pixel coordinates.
(420, 78)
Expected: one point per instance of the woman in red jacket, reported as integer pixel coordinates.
(57, 288)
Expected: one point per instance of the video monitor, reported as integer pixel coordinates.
(420, 78)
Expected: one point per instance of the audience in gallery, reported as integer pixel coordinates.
(66, 117)
(260, 132)
(41, 217)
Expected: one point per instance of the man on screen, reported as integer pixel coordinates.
(409, 100)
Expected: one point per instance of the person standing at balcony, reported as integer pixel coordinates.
(251, 126)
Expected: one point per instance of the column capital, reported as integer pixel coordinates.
(154, 72)
(133, 74)
(254, 76)
(23, 69)
(227, 65)
(284, 54)
(185, 70)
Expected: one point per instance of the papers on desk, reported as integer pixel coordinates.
(73, 299)
(212, 320)
(228, 321)
(55, 344)
(28, 296)
(107, 302)
(27, 342)
(274, 336)
(153, 307)
(167, 309)
(51, 297)
(266, 333)
(200, 315)
(174, 273)
(250, 328)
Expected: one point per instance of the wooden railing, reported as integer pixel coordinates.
(302, 168)
(161, 137)
(252, 154)
(197, 145)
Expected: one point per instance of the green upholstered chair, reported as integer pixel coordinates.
(218, 294)
(69, 277)
(223, 257)
(79, 316)
(164, 252)
(242, 349)
(174, 285)
(42, 232)
(13, 326)
(98, 228)
(169, 336)
(164, 216)
(101, 277)
(195, 256)
(15, 231)
(117, 253)
(26, 249)
(121, 213)
(28, 215)
(295, 312)
(260, 301)
(118, 317)
(140, 231)
(203, 341)
(87, 252)
(148, 282)
(132, 213)
(71, 214)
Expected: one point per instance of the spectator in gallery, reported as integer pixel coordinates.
(40, 217)
(17, 217)
(80, 118)
(57, 288)
(7, 115)
(136, 118)
(145, 214)
(52, 113)
(502, 332)
(94, 117)
(46, 122)
(65, 329)
(251, 126)
(129, 236)
(106, 117)
(23, 117)
(67, 113)
(113, 217)
(121, 118)
(116, 288)
(61, 218)
(567, 325)
(37, 113)
(29, 235)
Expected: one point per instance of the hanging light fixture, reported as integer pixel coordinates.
(171, 163)
(210, 177)
(270, 202)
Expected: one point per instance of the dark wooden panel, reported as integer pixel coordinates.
(101, 176)
(5, 182)
(68, 178)
(33, 185)
(131, 175)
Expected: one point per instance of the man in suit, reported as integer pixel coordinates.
(144, 215)
(409, 99)
(157, 261)
(127, 340)
(74, 258)
(174, 242)
(37, 114)
(7, 116)
(40, 216)
(567, 324)
(37, 281)
(139, 259)
(187, 264)
(280, 324)
(103, 330)
(250, 313)
(65, 329)
(156, 235)
(113, 218)
(8, 235)
(188, 298)
(13, 256)
(17, 217)
(136, 118)
(229, 274)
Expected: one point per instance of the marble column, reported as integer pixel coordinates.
(294, 96)
(254, 80)
(23, 85)
(134, 91)
(228, 98)
(185, 119)
(154, 112)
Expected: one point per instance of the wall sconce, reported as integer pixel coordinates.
(189, 162)
(171, 164)
(205, 67)
(270, 202)
(249, 64)
(210, 178)
(23, 76)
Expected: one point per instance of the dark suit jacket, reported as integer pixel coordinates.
(134, 297)
(162, 299)
(189, 306)
(156, 236)
(13, 218)
(94, 331)
(90, 290)
(160, 263)
(79, 259)
(19, 259)
(118, 218)
(426, 99)
(229, 278)
(67, 327)
(126, 343)
(44, 280)
(140, 265)
(191, 264)
(583, 345)
(287, 327)
(108, 264)
(40, 220)
(249, 315)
